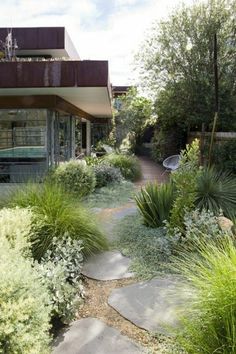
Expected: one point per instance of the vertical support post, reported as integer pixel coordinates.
(72, 137)
(216, 98)
(88, 137)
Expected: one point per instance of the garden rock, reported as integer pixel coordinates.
(110, 265)
(151, 305)
(90, 336)
(225, 224)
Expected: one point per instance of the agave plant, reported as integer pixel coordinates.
(155, 202)
(216, 191)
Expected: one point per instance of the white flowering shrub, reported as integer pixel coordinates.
(15, 226)
(24, 305)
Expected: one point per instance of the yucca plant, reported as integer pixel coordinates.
(208, 324)
(155, 202)
(216, 191)
(56, 215)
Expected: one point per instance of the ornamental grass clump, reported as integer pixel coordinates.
(155, 202)
(55, 215)
(209, 320)
(129, 165)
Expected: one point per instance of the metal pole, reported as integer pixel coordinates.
(216, 80)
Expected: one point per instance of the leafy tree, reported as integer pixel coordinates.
(176, 65)
(133, 116)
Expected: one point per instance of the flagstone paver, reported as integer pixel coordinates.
(110, 265)
(152, 305)
(92, 336)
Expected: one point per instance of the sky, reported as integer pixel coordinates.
(110, 30)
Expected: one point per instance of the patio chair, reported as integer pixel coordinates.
(171, 163)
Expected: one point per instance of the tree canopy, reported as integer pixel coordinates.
(134, 115)
(176, 65)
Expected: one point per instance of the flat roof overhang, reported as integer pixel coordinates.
(84, 84)
(37, 41)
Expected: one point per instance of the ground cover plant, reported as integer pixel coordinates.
(149, 248)
(110, 196)
(75, 177)
(56, 215)
(129, 165)
(208, 324)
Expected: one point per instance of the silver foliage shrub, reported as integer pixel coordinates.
(60, 270)
(198, 226)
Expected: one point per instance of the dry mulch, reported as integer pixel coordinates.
(96, 305)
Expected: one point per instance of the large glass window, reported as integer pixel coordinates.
(23, 150)
(64, 131)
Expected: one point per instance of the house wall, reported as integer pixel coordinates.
(32, 141)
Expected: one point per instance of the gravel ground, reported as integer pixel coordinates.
(95, 305)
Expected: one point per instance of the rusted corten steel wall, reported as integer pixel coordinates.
(22, 74)
(37, 38)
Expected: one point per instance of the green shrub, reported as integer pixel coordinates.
(56, 215)
(224, 155)
(24, 305)
(185, 181)
(92, 160)
(199, 226)
(166, 143)
(209, 321)
(75, 177)
(106, 174)
(129, 165)
(155, 203)
(216, 191)
(59, 270)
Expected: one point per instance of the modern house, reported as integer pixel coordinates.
(50, 100)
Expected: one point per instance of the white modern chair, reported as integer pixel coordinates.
(171, 163)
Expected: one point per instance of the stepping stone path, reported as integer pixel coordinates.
(151, 305)
(92, 336)
(109, 265)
